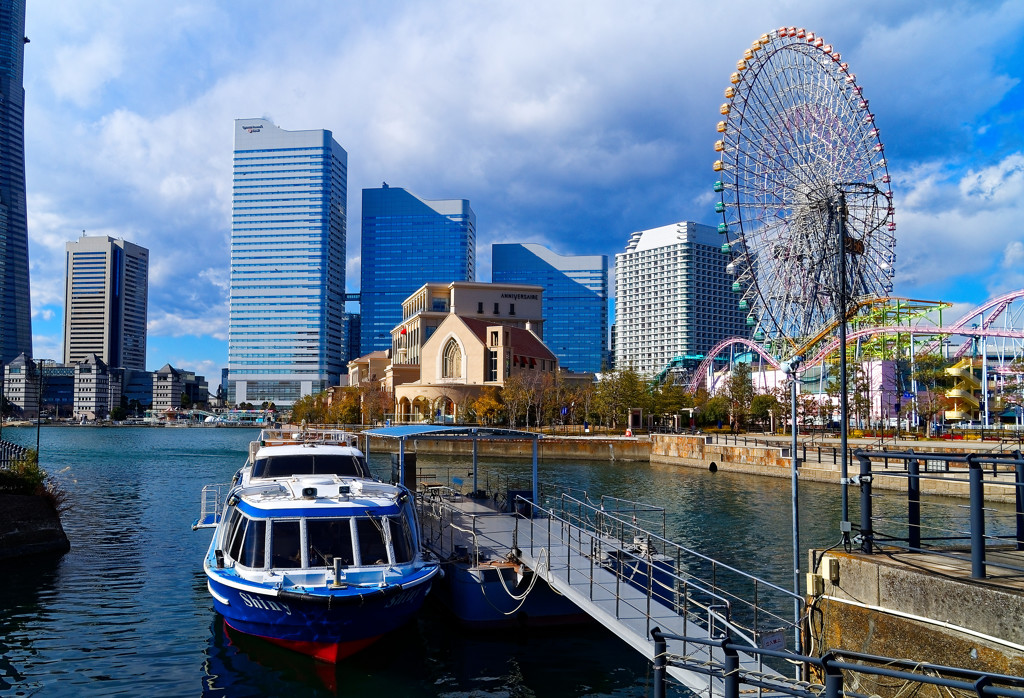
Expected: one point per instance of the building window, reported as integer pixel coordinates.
(494, 339)
(480, 307)
(452, 358)
(511, 308)
(492, 365)
(496, 312)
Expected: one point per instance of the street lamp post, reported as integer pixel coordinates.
(790, 369)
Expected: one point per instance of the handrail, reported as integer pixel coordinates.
(831, 665)
(978, 514)
(682, 584)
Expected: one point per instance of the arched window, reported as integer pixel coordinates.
(452, 358)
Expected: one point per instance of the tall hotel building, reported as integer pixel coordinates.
(285, 337)
(408, 242)
(673, 296)
(105, 302)
(15, 310)
(575, 299)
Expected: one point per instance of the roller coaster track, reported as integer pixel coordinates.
(962, 327)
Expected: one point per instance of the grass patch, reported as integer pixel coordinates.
(25, 476)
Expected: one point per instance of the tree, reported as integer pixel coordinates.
(618, 392)
(488, 405)
(186, 401)
(714, 411)
(739, 390)
(762, 409)
(517, 396)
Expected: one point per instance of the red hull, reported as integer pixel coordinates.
(331, 652)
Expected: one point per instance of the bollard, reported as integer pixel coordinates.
(977, 489)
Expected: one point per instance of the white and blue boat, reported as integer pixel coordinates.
(309, 551)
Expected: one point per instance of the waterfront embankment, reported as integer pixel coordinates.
(819, 461)
(30, 525)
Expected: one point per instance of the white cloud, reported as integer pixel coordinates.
(570, 124)
(79, 71)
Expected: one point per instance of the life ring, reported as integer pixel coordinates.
(629, 432)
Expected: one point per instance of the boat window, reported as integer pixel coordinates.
(254, 544)
(229, 528)
(327, 540)
(235, 534)
(402, 539)
(285, 550)
(372, 548)
(310, 464)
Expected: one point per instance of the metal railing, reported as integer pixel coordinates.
(952, 530)
(695, 586)
(9, 453)
(837, 669)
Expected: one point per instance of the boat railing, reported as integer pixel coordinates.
(211, 505)
(695, 585)
(449, 531)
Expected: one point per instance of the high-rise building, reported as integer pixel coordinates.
(15, 310)
(575, 299)
(673, 296)
(285, 337)
(408, 242)
(105, 302)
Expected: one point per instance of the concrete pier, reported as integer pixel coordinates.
(919, 605)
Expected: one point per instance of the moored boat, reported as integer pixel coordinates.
(309, 551)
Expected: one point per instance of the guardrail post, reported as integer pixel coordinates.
(1019, 473)
(833, 677)
(866, 534)
(731, 667)
(914, 502)
(660, 662)
(977, 489)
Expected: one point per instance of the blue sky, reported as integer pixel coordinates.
(570, 124)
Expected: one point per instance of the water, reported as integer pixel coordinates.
(126, 611)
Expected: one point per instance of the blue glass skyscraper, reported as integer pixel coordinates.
(408, 242)
(575, 299)
(285, 337)
(15, 309)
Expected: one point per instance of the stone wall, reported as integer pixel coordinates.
(549, 448)
(879, 606)
(29, 525)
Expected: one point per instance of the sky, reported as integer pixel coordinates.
(570, 124)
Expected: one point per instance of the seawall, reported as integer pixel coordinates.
(577, 448)
(29, 525)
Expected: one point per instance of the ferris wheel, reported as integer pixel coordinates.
(801, 173)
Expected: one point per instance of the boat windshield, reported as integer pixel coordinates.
(310, 464)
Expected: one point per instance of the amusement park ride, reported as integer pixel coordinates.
(809, 228)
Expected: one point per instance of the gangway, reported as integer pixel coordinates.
(612, 560)
(633, 580)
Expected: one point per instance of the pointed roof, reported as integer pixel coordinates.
(522, 341)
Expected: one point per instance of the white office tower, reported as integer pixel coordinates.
(673, 297)
(287, 263)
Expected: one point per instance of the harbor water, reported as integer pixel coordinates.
(126, 611)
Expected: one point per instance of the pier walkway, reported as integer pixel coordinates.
(607, 559)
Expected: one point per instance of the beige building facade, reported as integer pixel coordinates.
(455, 341)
